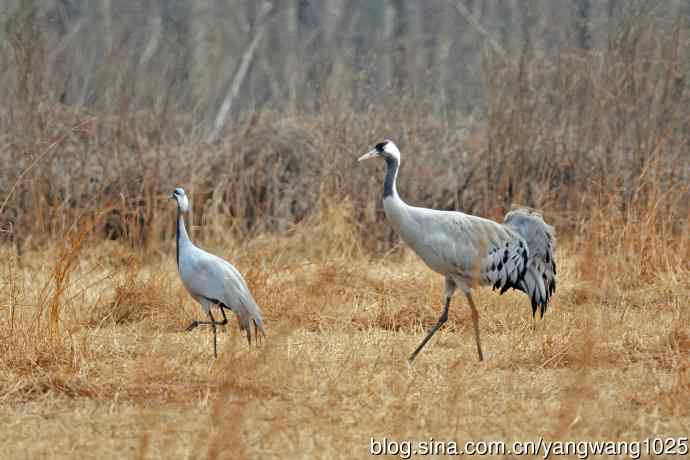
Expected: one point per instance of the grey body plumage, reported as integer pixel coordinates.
(213, 281)
(471, 251)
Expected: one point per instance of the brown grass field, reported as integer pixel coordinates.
(580, 109)
(95, 363)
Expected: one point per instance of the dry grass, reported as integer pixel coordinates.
(114, 375)
(115, 125)
(586, 120)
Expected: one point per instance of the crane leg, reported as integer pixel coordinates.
(196, 323)
(475, 322)
(215, 335)
(225, 318)
(213, 323)
(439, 323)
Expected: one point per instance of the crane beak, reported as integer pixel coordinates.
(368, 155)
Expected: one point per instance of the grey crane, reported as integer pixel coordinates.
(471, 251)
(213, 281)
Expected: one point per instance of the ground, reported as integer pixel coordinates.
(106, 369)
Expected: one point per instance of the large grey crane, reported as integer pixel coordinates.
(213, 281)
(471, 251)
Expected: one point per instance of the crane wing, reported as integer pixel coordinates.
(505, 265)
(479, 250)
(219, 281)
(540, 279)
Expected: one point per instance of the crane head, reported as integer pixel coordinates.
(385, 149)
(181, 197)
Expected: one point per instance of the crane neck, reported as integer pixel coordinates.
(181, 236)
(389, 188)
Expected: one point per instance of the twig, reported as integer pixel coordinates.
(36, 160)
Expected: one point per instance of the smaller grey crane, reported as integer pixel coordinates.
(471, 251)
(213, 281)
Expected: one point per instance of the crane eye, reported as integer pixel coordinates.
(380, 146)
